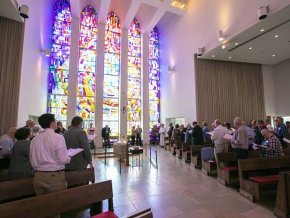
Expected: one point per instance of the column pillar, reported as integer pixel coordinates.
(145, 88)
(73, 70)
(99, 83)
(123, 83)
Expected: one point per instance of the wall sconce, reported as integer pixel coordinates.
(171, 69)
(46, 52)
(221, 36)
(178, 4)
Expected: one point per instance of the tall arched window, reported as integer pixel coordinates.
(134, 75)
(154, 77)
(59, 61)
(112, 73)
(87, 62)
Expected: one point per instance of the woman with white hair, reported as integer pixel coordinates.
(271, 145)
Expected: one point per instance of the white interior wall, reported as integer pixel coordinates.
(281, 80)
(199, 27)
(35, 65)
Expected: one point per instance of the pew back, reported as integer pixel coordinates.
(59, 202)
(23, 188)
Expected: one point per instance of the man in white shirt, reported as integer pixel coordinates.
(7, 142)
(48, 156)
(221, 144)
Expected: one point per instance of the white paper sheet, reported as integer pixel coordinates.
(92, 137)
(73, 151)
(228, 137)
(286, 140)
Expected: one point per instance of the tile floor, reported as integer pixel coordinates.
(176, 189)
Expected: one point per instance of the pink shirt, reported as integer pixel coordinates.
(48, 151)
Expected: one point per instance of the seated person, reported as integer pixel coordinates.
(271, 146)
(20, 166)
(7, 142)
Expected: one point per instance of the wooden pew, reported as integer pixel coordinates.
(282, 207)
(227, 169)
(23, 188)
(4, 166)
(64, 201)
(183, 151)
(260, 174)
(208, 167)
(195, 151)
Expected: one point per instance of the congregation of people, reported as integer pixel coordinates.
(42, 152)
(241, 138)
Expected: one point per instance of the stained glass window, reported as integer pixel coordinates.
(154, 78)
(59, 60)
(87, 62)
(112, 73)
(134, 76)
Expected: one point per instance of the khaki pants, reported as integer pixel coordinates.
(220, 148)
(48, 182)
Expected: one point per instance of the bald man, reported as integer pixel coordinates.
(7, 142)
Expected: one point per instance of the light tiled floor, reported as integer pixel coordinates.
(176, 189)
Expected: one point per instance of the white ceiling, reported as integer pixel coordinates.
(265, 47)
(9, 9)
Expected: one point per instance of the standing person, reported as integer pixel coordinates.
(240, 140)
(281, 131)
(133, 135)
(268, 125)
(162, 132)
(220, 144)
(170, 131)
(91, 136)
(30, 124)
(138, 136)
(188, 134)
(288, 126)
(20, 166)
(106, 136)
(176, 138)
(7, 142)
(259, 137)
(205, 130)
(76, 137)
(197, 138)
(271, 146)
(59, 125)
(48, 156)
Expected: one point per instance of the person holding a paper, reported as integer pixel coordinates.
(271, 146)
(240, 140)
(220, 143)
(76, 138)
(48, 156)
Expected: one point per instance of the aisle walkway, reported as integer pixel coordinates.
(176, 189)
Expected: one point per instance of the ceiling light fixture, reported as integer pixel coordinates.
(230, 57)
(250, 48)
(273, 55)
(236, 43)
(181, 4)
(262, 30)
(276, 36)
(213, 56)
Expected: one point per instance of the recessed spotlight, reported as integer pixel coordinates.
(273, 55)
(262, 30)
(223, 46)
(236, 43)
(230, 57)
(213, 56)
(276, 36)
(250, 48)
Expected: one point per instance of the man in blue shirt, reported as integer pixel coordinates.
(281, 131)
